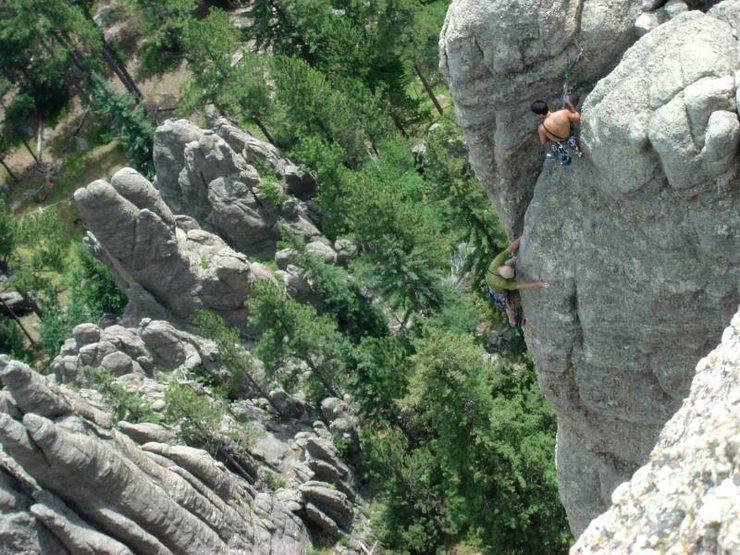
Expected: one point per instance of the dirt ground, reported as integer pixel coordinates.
(70, 153)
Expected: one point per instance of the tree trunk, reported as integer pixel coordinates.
(398, 124)
(17, 321)
(111, 60)
(40, 140)
(30, 150)
(427, 88)
(264, 130)
(121, 72)
(7, 169)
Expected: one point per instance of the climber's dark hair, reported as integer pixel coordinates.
(540, 107)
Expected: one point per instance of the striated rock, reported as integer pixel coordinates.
(233, 184)
(501, 55)
(685, 500)
(110, 495)
(135, 234)
(638, 239)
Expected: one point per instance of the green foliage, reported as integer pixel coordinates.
(401, 256)
(380, 377)
(12, 340)
(238, 90)
(341, 295)
(202, 422)
(271, 190)
(239, 363)
(126, 406)
(340, 111)
(410, 516)
(161, 22)
(494, 436)
(58, 321)
(294, 334)
(466, 211)
(8, 231)
(93, 285)
(134, 127)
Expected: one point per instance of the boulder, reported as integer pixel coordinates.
(232, 184)
(134, 233)
(685, 499)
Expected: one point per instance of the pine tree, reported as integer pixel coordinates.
(224, 73)
(132, 124)
(293, 336)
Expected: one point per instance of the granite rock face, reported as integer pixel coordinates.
(166, 271)
(686, 499)
(639, 239)
(59, 452)
(234, 185)
(153, 345)
(501, 55)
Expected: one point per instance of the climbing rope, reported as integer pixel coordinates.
(570, 64)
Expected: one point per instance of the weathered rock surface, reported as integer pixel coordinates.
(234, 185)
(164, 270)
(155, 499)
(501, 55)
(120, 351)
(687, 498)
(639, 239)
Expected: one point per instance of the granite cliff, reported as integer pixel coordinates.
(640, 237)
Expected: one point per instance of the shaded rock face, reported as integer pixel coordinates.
(166, 270)
(213, 176)
(95, 490)
(501, 55)
(685, 500)
(639, 239)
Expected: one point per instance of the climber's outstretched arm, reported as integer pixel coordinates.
(514, 245)
(539, 284)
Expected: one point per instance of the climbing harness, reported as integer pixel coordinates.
(564, 151)
(497, 300)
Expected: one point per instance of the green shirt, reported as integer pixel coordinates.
(495, 282)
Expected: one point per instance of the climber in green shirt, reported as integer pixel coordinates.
(501, 282)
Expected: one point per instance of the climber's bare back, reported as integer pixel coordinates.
(556, 125)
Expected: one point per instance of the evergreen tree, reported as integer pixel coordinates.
(341, 295)
(161, 22)
(224, 73)
(295, 338)
(133, 125)
(401, 256)
(243, 380)
(466, 211)
(494, 435)
(8, 232)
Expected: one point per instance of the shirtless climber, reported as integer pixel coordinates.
(556, 127)
(501, 282)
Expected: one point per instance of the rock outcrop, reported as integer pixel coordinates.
(234, 185)
(167, 266)
(501, 55)
(155, 344)
(95, 490)
(638, 239)
(685, 500)
(182, 243)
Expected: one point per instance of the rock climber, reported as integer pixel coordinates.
(555, 127)
(501, 283)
